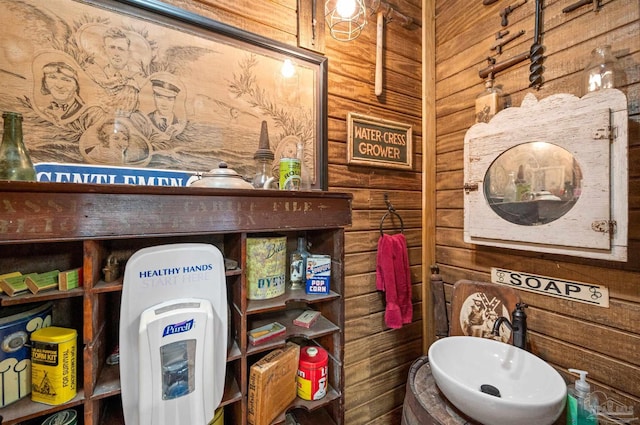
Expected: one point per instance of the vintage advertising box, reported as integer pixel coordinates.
(266, 267)
(307, 318)
(318, 274)
(266, 333)
(70, 279)
(53, 365)
(272, 384)
(17, 323)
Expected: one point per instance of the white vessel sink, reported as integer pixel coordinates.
(531, 391)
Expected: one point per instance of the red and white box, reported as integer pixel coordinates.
(307, 318)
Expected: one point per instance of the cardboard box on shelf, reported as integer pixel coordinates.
(272, 384)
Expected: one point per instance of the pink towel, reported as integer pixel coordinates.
(394, 278)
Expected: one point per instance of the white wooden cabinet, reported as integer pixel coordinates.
(590, 223)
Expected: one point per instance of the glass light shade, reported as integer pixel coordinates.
(345, 18)
(602, 72)
(346, 8)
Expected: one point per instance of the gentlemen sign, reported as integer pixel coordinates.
(575, 291)
(380, 143)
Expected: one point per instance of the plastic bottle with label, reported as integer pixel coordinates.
(582, 407)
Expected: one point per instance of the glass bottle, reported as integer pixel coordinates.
(602, 72)
(305, 179)
(510, 190)
(522, 186)
(15, 163)
(263, 157)
(489, 102)
(298, 269)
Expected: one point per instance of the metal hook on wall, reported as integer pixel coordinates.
(391, 211)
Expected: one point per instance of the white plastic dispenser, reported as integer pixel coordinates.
(582, 407)
(173, 335)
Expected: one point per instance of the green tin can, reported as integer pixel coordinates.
(290, 174)
(64, 417)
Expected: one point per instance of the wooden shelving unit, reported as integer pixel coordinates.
(46, 226)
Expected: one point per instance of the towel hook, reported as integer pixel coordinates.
(391, 211)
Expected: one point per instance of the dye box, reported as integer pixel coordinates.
(266, 267)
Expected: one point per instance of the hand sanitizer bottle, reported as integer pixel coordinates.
(582, 407)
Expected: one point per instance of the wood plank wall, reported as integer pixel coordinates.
(603, 341)
(377, 359)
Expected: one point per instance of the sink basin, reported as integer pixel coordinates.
(531, 391)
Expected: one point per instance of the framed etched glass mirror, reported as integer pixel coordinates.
(551, 176)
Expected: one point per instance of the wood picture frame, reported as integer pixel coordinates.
(122, 58)
(378, 142)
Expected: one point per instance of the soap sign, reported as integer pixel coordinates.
(587, 293)
(380, 143)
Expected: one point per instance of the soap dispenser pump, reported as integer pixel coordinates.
(582, 407)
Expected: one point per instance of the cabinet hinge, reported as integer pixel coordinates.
(468, 187)
(604, 226)
(605, 133)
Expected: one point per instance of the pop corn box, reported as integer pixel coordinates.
(318, 274)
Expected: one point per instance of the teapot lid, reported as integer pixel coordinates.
(223, 170)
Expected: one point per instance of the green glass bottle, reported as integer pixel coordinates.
(15, 163)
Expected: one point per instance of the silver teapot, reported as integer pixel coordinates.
(222, 177)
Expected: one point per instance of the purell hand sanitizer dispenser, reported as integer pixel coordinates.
(173, 335)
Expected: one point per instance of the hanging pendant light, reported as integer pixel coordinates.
(345, 18)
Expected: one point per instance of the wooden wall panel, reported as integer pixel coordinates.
(603, 341)
(376, 359)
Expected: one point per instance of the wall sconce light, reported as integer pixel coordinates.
(345, 18)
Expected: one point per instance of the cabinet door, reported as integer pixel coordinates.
(584, 194)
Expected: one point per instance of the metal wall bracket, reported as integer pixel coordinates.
(607, 133)
(605, 226)
(469, 187)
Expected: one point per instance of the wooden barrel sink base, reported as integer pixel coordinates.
(424, 404)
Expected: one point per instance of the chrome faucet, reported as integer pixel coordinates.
(518, 326)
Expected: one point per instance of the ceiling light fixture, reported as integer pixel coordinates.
(345, 18)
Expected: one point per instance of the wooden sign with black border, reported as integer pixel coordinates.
(379, 143)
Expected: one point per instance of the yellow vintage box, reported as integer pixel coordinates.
(53, 365)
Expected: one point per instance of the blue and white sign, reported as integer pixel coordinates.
(98, 174)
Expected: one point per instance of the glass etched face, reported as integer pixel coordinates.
(533, 183)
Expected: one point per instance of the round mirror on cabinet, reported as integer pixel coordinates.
(533, 183)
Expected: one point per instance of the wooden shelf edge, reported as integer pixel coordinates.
(321, 327)
(28, 297)
(297, 295)
(25, 409)
(309, 406)
(109, 385)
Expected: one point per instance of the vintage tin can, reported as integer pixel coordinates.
(17, 323)
(65, 417)
(318, 274)
(290, 174)
(53, 365)
(312, 373)
(218, 417)
(266, 267)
